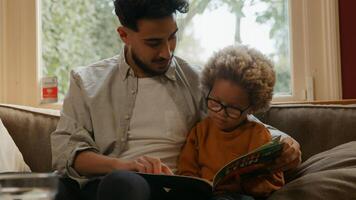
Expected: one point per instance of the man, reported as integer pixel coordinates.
(132, 112)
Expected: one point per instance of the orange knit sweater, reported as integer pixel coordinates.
(208, 149)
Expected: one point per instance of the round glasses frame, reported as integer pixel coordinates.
(231, 111)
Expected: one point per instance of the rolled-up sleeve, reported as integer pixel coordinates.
(74, 131)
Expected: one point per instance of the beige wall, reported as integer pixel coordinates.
(19, 74)
(2, 17)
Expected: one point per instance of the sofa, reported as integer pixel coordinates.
(317, 127)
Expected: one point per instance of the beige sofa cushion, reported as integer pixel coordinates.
(30, 129)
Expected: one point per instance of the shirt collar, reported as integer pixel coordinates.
(126, 70)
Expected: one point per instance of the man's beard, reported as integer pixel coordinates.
(145, 68)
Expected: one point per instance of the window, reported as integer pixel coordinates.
(311, 72)
(262, 24)
(77, 33)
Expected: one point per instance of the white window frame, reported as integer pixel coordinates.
(315, 48)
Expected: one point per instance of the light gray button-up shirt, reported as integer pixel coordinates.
(97, 109)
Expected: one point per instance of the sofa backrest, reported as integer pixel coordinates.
(30, 128)
(316, 127)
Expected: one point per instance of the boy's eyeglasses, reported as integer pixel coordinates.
(231, 111)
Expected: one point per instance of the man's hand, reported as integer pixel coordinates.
(154, 165)
(144, 164)
(291, 155)
(89, 163)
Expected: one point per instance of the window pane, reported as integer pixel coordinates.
(262, 24)
(76, 33)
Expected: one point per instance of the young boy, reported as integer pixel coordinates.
(240, 82)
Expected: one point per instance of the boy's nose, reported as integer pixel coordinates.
(222, 113)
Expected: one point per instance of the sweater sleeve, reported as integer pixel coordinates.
(188, 159)
(264, 185)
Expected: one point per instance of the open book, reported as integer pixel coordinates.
(253, 163)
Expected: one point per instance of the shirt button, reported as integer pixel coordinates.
(127, 117)
(133, 91)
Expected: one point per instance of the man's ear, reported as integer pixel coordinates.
(124, 34)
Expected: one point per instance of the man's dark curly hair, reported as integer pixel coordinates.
(130, 11)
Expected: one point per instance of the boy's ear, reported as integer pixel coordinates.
(124, 34)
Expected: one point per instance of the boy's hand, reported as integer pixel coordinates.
(291, 156)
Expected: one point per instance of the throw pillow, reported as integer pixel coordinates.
(11, 159)
(328, 175)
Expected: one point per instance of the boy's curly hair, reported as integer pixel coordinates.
(247, 67)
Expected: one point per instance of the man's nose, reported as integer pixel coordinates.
(166, 51)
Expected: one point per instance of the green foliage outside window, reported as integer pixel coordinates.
(76, 33)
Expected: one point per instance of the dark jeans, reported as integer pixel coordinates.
(117, 185)
(232, 196)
